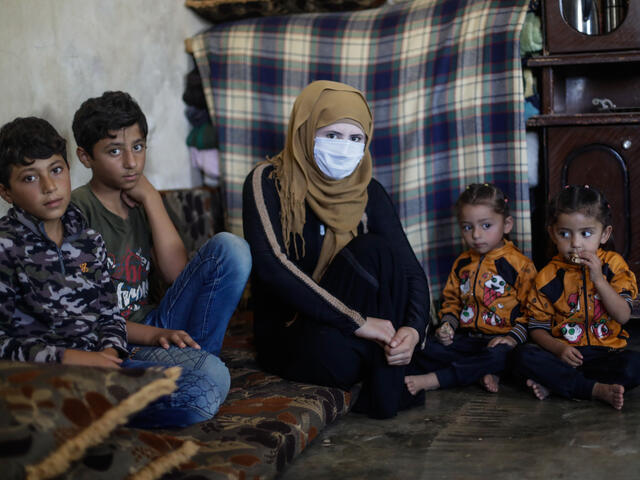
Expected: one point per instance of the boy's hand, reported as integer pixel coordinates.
(139, 193)
(376, 329)
(168, 254)
(91, 359)
(165, 338)
(444, 334)
(506, 340)
(571, 356)
(110, 351)
(400, 350)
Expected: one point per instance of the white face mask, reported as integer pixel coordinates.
(335, 158)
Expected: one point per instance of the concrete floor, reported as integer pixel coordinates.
(466, 433)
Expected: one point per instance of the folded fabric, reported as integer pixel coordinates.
(206, 160)
(203, 137)
(193, 93)
(530, 107)
(531, 35)
(197, 116)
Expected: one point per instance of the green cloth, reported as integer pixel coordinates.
(203, 137)
(129, 246)
(531, 35)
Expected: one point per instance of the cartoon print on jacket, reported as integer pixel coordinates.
(493, 288)
(467, 314)
(600, 329)
(492, 318)
(572, 332)
(573, 301)
(598, 309)
(498, 282)
(465, 284)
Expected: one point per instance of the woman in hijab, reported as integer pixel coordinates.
(339, 296)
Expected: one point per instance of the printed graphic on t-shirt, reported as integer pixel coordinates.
(131, 278)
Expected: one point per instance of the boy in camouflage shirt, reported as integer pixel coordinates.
(57, 297)
(58, 300)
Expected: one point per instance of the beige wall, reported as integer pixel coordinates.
(55, 54)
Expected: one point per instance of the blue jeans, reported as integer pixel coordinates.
(202, 386)
(206, 293)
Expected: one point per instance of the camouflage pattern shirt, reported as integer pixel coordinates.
(54, 298)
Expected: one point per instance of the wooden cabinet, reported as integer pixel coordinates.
(613, 25)
(589, 123)
(602, 156)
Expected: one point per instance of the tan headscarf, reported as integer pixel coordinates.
(339, 204)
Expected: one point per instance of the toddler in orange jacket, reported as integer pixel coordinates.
(481, 316)
(579, 306)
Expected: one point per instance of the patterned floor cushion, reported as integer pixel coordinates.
(51, 415)
(262, 426)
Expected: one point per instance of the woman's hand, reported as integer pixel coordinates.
(376, 329)
(400, 350)
(571, 356)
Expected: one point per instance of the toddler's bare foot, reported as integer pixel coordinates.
(427, 382)
(611, 394)
(541, 392)
(491, 383)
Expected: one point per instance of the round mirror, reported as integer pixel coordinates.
(594, 17)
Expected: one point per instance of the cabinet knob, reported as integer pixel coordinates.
(626, 144)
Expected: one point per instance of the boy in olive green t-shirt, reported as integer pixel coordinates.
(119, 202)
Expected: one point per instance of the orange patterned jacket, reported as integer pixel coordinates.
(565, 302)
(486, 293)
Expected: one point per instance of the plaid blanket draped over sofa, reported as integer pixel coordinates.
(444, 81)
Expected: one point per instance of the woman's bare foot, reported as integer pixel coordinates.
(491, 383)
(541, 392)
(426, 382)
(611, 394)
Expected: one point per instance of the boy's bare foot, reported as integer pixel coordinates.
(491, 383)
(426, 382)
(541, 392)
(611, 394)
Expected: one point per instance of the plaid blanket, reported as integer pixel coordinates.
(443, 78)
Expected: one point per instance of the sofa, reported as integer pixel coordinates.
(70, 422)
